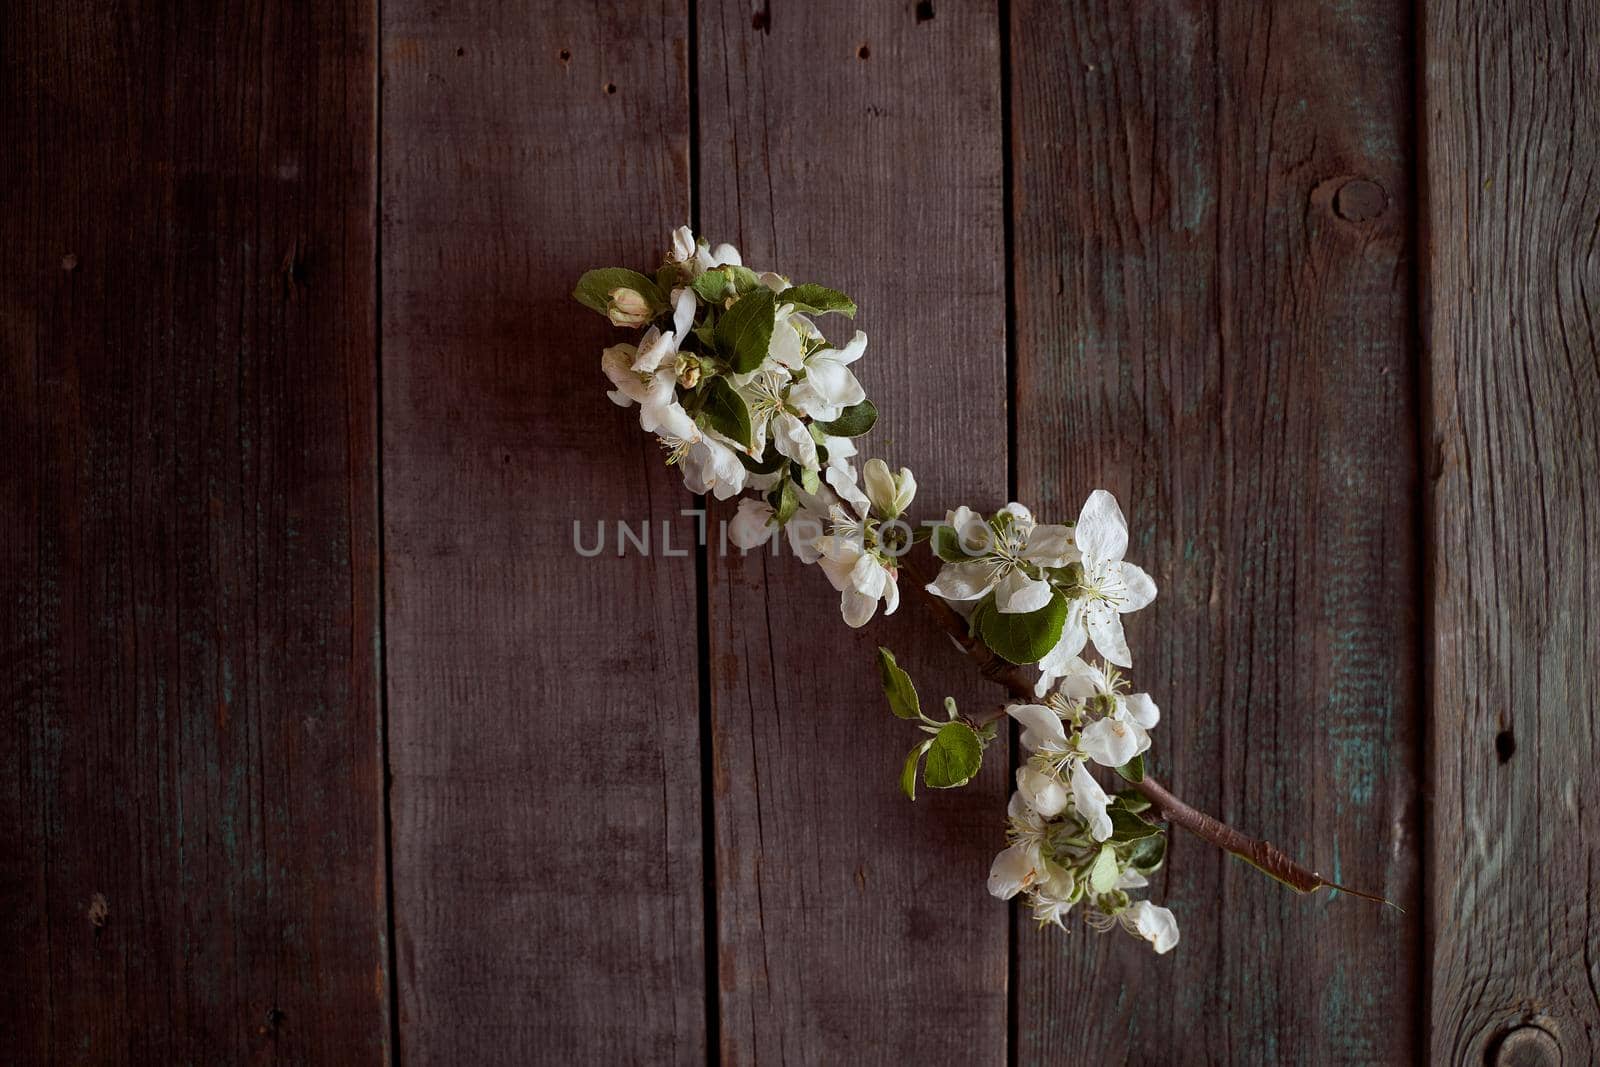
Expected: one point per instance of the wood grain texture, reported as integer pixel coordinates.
(1212, 297)
(1513, 391)
(192, 868)
(860, 148)
(544, 707)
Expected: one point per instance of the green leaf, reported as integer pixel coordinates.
(1126, 826)
(744, 334)
(1133, 770)
(725, 409)
(908, 773)
(1147, 853)
(595, 288)
(810, 480)
(714, 286)
(1131, 800)
(767, 464)
(818, 300)
(897, 687)
(955, 757)
(853, 421)
(784, 502)
(947, 545)
(1022, 638)
(1103, 875)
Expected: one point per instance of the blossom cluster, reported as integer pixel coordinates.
(1041, 593)
(744, 392)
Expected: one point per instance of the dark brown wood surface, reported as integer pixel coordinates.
(192, 864)
(1513, 454)
(297, 415)
(860, 150)
(544, 722)
(1213, 297)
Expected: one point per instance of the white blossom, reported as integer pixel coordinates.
(1110, 587)
(828, 386)
(861, 577)
(1015, 549)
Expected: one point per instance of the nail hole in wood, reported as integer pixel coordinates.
(460, 52)
(565, 54)
(69, 262)
(1505, 745)
(925, 11)
(611, 89)
(863, 52)
(761, 20)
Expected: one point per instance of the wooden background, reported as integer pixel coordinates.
(321, 745)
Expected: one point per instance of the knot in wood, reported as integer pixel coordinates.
(1360, 200)
(1526, 1046)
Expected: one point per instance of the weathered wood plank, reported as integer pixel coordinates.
(544, 708)
(859, 147)
(1212, 287)
(193, 863)
(1513, 392)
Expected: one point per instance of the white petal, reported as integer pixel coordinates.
(868, 576)
(1138, 588)
(1081, 680)
(1019, 512)
(1013, 871)
(1090, 801)
(838, 556)
(975, 535)
(682, 244)
(891, 595)
(1050, 546)
(963, 581)
(794, 440)
(1105, 630)
(725, 254)
(1131, 879)
(786, 347)
(617, 362)
(684, 307)
(843, 481)
(832, 381)
(1041, 727)
(1102, 532)
(850, 352)
(654, 346)
(1142, 710)
(1155, 924)
(1043, 792)
(805, 529)
(1017, 594)
(753, 526)
(1111, 743)
(840, 449)
(1058, 659)
(857, 608)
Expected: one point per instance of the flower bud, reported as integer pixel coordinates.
(688, 371)
(628, 307)
(890, 494)
(879, 486)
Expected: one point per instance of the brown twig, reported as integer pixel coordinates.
(1019, 682)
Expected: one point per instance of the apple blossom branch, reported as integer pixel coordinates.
(1017, 681)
